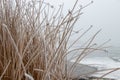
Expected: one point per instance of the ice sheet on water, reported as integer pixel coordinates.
(103, 63)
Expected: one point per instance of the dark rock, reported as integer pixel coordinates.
(82, 79)
(80, 70)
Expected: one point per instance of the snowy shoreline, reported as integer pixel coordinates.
(103, 63)
(83, 72)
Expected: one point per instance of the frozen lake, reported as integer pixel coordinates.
(104, 61)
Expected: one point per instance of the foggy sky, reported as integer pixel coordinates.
(102, 14)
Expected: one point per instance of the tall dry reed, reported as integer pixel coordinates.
(34, 40)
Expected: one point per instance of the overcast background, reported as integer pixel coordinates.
(105, 15)
(102, 14)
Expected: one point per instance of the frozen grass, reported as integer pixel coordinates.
(34, 40)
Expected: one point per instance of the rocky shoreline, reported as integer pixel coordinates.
(85, 70)
(94, 78)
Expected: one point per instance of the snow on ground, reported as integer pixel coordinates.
(103, 63)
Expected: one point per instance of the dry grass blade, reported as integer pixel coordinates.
(5, 70)
(15, 46)
(112, 70)
(29, 76)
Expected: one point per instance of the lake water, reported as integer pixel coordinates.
(102, 60)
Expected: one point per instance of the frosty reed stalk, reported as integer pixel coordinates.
(34, 40)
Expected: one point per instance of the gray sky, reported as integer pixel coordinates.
(102, 14)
